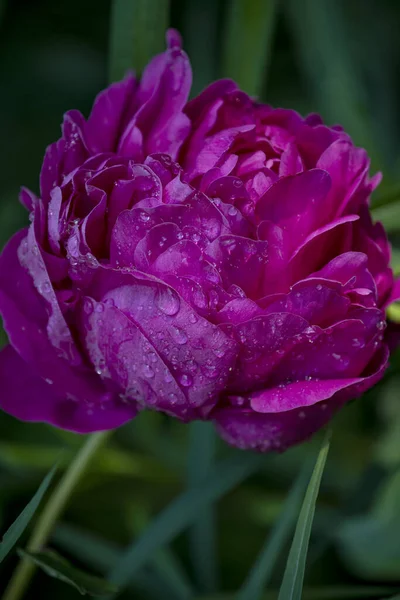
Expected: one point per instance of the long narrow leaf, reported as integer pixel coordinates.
(321, 40)
(137, 33)
(13, 534)
(56, 566)
(292, 584)
(163, 572)
(202, 532)
(248, 40)
(181, 512)
(332, 592)
(200, 36)
(261, 572)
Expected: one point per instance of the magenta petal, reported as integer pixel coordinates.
(106, 119)
(199, 353)
(162, 94)
(315, 301)
(294, 203)
(247, 429)
(28, 397)
(264, 341)
(122, 353)
(241, 262)
(298, 394)
(321, 246)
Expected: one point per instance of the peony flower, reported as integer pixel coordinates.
(212, 259)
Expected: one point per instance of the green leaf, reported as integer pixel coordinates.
(389, 215)
(360, 536)
(164, 574)
(247, 42)
(182, 511)
(261, 572)
(137, 34)
(201, 37)
(292, 583)
(56, 566)
(202, 532)
(13, 534)
(329, 592)
(321, 46)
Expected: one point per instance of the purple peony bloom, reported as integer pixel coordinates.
(212, 259)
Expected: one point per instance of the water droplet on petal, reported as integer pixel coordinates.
(193, 318)
(179, 335)
(168, 301)
(88, 306)
(144, 217)
(148, 371)
(173, 398)
(168, 377)
(186, 380)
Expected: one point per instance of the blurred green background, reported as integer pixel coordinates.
(340, 58)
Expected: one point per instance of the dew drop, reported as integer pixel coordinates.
(168, 377)
(193, 318)
(148, 371)
(45, 287)
(173, 398)
(168, 301)
(144, 217)
(179, 335)
(186, 380)
(99, 308)
(88, 306)
(232, 211)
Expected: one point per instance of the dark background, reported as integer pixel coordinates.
(340, 58)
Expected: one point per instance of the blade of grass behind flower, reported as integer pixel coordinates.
(164, 573)
(182, 511)
(247, 42)
(321, 44)
(261, 572)
(389, 215)
(13, 534)
(332, 592)
(292, 583)
(137, 34)
(202, 532)
(200, 37)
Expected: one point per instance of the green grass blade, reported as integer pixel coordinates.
(332, 592)
(200, 39)
(247, 42)
(164, 572)
(261, 572)
(181, 513)
(137, 34)
(292, 583)
(56, 566)
(388, 215)
(321, 45)
(202, 533)
(13, 534)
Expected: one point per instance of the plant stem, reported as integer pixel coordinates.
(52, 511)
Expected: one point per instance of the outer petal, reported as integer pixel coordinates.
(244, 428)
(28, 397)
(122, 353)
(198, 353)
(109, 111)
